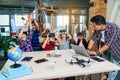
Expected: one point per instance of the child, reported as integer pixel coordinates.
(65, 39)
(25, 39)
(49, 44)
(43, 35)
(79, 38)
(36, 32)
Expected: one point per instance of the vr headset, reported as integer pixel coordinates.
(52, 35)
(63, 31)
(25, 32)
(80, 33)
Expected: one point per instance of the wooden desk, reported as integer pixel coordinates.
(61, 69)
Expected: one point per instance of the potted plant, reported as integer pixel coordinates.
(5, 45)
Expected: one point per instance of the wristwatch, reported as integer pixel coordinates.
(98, 53)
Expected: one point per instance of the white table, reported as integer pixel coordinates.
(61, 68)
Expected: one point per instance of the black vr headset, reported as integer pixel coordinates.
(25, 32)
(63, 31)
(80, 33)
(52, 35)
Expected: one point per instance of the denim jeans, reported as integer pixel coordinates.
(113, 75)
(118, 76)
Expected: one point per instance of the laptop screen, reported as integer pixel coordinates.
(80, 50)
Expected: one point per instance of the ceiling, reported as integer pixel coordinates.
(17, 6)
(46, 3)
(66, 3)
(14, 6)
(18, 3)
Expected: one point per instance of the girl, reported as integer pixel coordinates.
(65, 39)
(49, 44)
(25, 39)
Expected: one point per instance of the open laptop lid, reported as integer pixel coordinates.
(80, 50)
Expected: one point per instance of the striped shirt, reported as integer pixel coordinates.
(112, 38)
(25, 45)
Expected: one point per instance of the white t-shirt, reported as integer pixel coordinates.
(76, 39)
(103, 37)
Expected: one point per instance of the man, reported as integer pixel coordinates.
(110, 33)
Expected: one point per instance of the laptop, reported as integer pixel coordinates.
(82, 51)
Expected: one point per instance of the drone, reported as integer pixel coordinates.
(80, 62)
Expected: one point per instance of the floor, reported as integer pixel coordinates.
(2, 62)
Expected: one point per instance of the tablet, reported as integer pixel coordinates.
(41, 60)
(26, 58)
(97, 59)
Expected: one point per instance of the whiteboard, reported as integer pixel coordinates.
(4, 19)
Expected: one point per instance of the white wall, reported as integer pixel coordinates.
(4, 19)
(113, 11)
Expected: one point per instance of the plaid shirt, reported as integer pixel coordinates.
(112, 38)
(25, 45)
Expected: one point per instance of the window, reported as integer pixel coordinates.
(4, 25)
(4, 31)
(78, 16)
(66, 19)
(18, 20)
(62, 22)
(4, 19)
(82, 20)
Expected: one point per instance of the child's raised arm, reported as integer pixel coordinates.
(45, 42)
(21, 31)
(69, 37)
(58, 40)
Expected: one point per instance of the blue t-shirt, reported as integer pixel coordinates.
(65, 45)
(35, 39)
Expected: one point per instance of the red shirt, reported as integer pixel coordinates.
(49, 46)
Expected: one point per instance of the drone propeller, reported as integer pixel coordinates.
(82, 60)
(83, 65)
(71, 62)
(88, 61)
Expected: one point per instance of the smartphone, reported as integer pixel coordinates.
(26, 58)
(97, 59)
(41, 60)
